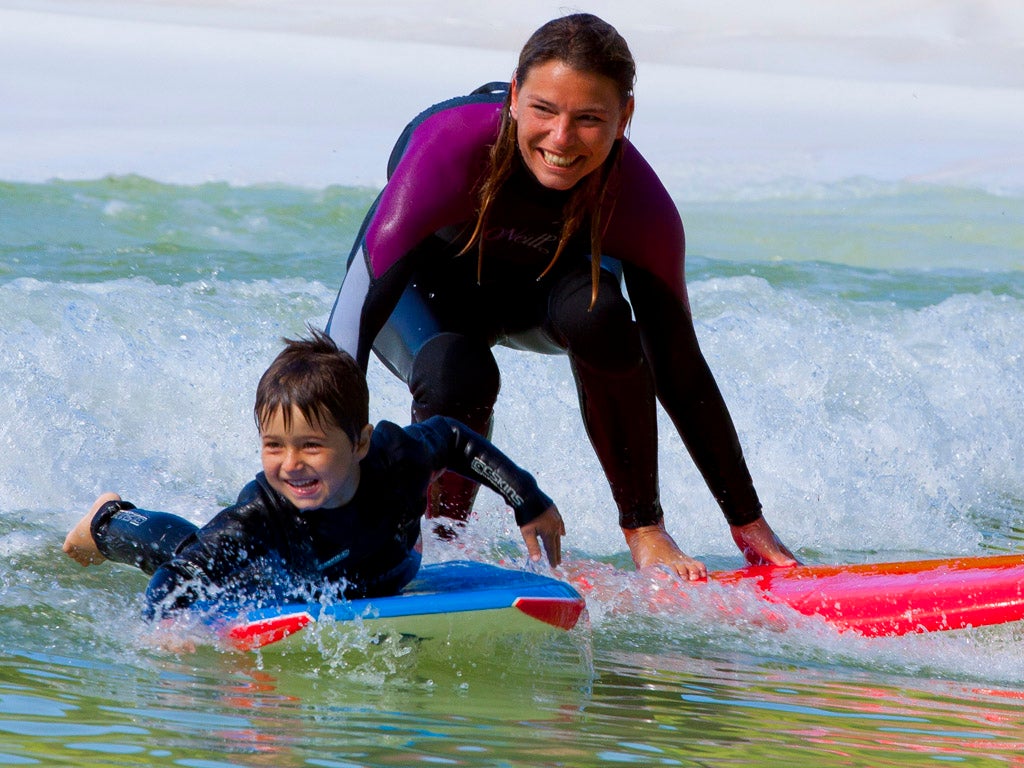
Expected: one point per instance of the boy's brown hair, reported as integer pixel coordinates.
(324, 382)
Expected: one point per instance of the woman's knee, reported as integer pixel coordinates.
(452, 373)
(603, 335)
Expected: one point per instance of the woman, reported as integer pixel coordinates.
(483, 236)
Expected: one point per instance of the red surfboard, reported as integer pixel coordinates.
(876, 599)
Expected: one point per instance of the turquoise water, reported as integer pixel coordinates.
(867, 338)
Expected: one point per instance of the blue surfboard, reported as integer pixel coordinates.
(451, 599)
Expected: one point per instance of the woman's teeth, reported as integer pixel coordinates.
(560, 161)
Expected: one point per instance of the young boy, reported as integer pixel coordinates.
(337, 505)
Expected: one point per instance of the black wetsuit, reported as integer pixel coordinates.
(418, 305)
(263, 546)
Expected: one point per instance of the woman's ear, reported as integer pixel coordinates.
(513, 107)
(627, 115)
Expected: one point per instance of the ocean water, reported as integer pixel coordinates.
(866, 336)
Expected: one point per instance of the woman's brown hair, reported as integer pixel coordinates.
(585, 43)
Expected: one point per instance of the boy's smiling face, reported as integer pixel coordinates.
(311, 465)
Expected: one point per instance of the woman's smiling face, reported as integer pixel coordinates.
(566, 122)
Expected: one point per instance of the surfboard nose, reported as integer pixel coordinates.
(561, 612)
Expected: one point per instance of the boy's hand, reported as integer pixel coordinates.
(79, 544)
(550, 529)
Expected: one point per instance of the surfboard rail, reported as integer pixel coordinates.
(450, 599)
(897, 598)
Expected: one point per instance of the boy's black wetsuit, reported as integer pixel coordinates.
(263, 546)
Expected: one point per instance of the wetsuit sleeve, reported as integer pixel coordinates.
(219, 557)
(453, 446)
(174, 587)
(433, 186)
(687, 390)
(646, 234)
(140, 537)
(194, 574)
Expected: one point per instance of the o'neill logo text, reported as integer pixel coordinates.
(543, 242)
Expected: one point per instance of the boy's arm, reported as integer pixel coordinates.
(174, 587)
(209, 566)
(457, 448)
